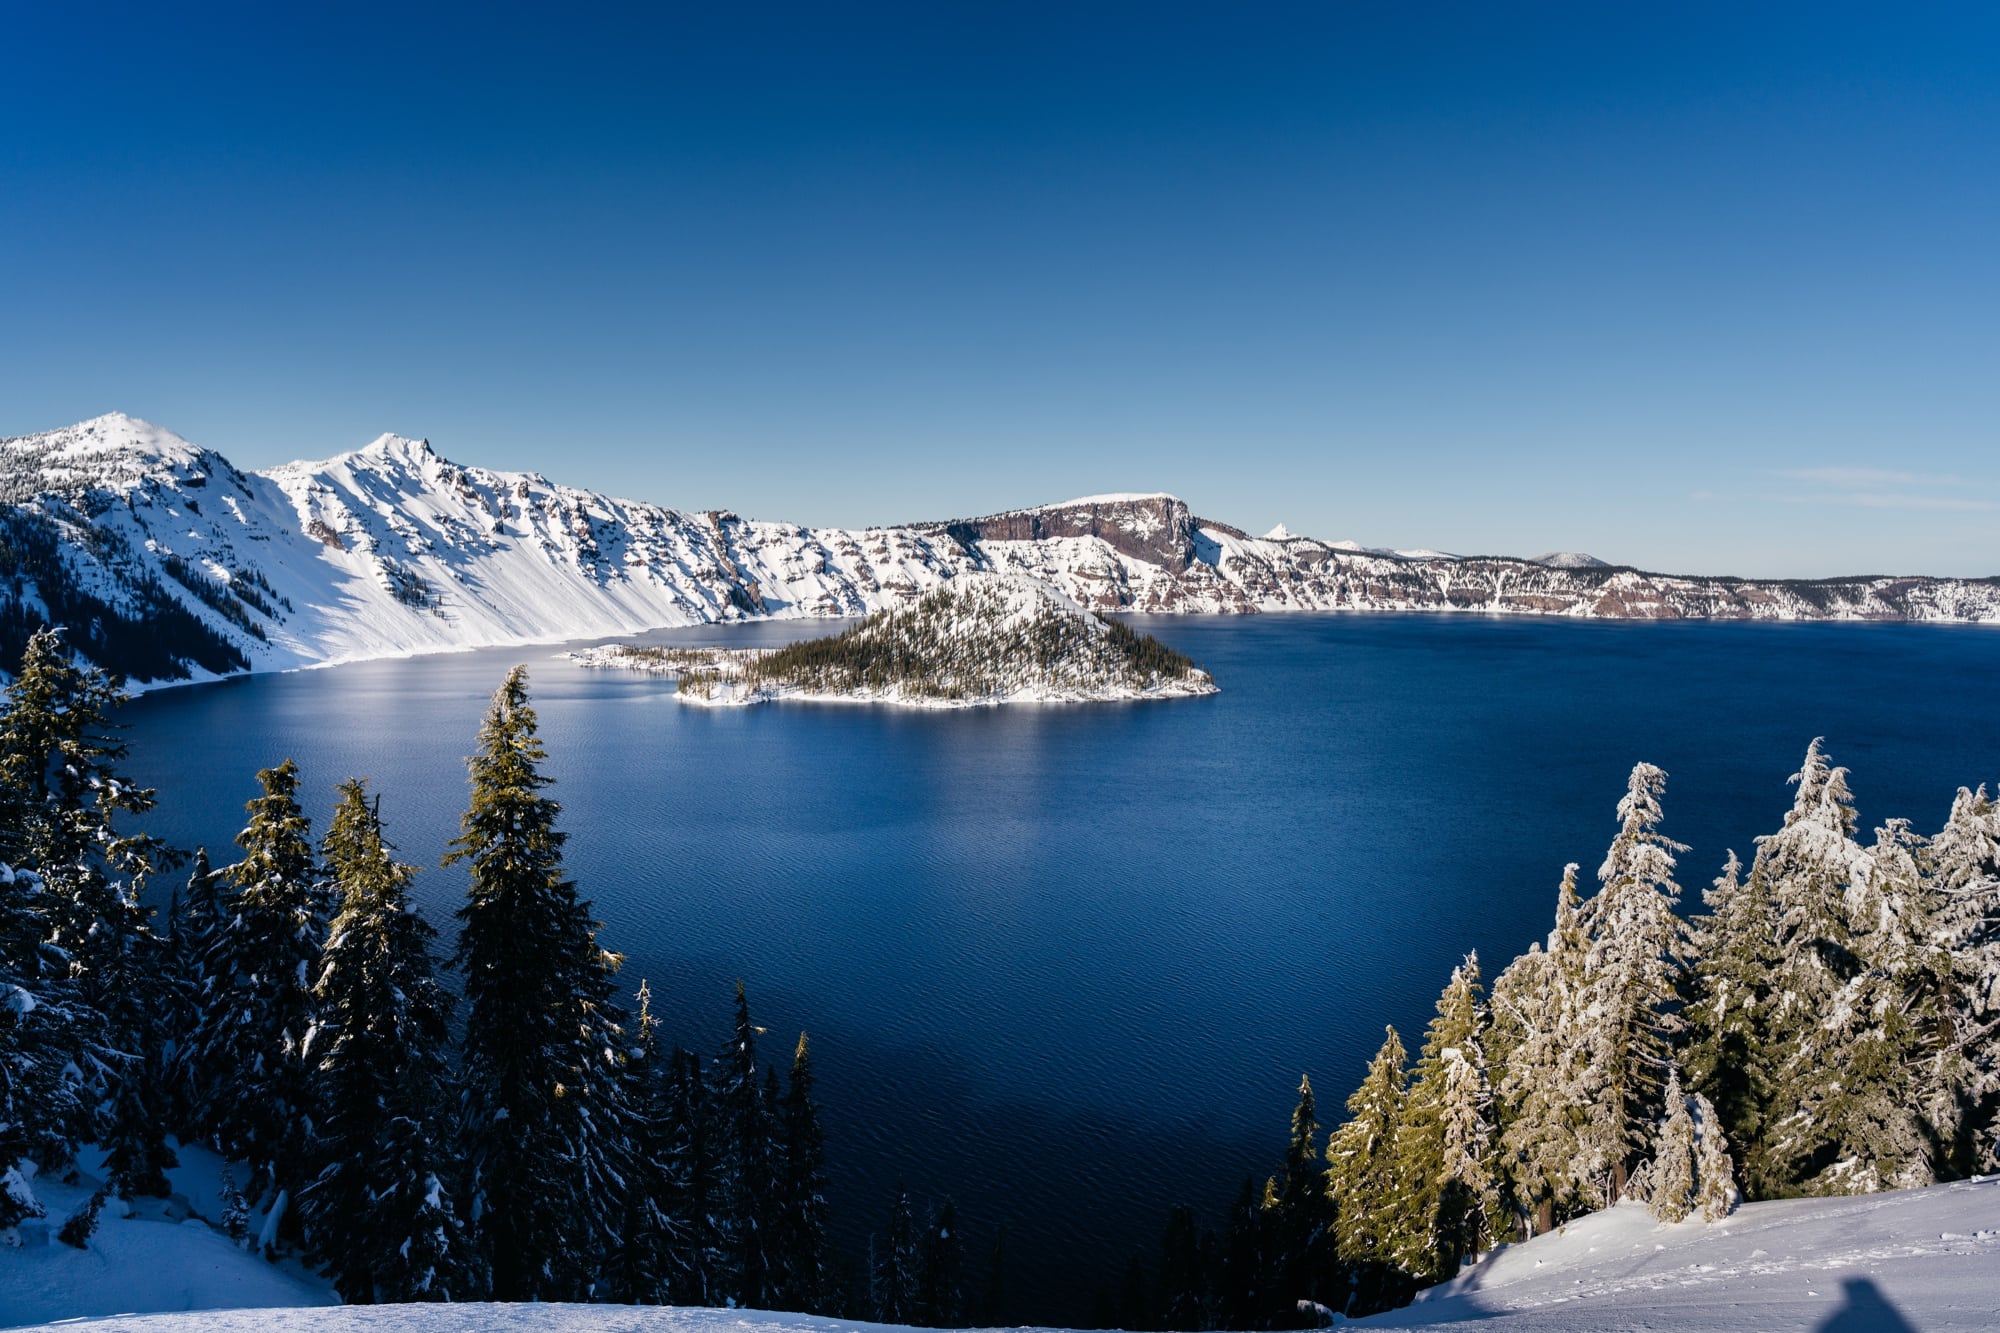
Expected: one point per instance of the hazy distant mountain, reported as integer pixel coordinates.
(167, 562)
(1570, 560)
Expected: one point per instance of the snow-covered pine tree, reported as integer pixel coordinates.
(1298, 1224)
(196, 919)
(377, 1213)
(699, 1259)
(544, 1127)
(746, 1164)
(1670, 1185)
(802, 1221)
(1857, 1118)
(1361, 1179)
(1549, 1083)
(1962, 866)
(1808, 868)
(1730, 1052)
(248, 1042)
(941, 1281)
(895, 1283)
(1631, 1013)
(641, 1271)
(1715, 1175)
(44, 1029)
(1443, 1197)
(94, 950)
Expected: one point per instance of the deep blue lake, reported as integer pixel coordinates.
(1066, 964)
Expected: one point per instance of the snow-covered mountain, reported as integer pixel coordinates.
(167, 562)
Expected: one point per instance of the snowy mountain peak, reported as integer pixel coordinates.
(400, 447)
(1281, 533)
(1569, 560)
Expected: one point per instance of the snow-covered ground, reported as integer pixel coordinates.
(158, 1254)
(1919, 1259)
(1915, 1259)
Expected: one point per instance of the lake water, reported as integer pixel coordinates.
(1066, 964)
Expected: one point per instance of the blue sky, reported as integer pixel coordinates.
(1706, 288)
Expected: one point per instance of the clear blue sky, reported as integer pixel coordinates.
(1702, 287)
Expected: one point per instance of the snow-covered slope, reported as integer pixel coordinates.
(1914, 1259)
(171, 563)
(1921, 1259)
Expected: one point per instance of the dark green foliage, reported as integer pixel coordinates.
(544, 1116)
(801, 1241)
(961, 643)
(748, 1198)
(1297, 1228)
(248, 1046)
(896, 1280)
(941, 1283)
(641, 1270)
(83, 968)
(151, 637)
(80, 1225)
(699, 1273)
(378, 1214)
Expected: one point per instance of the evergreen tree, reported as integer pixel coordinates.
(802, 1223)
(1540, 1003)
(44, 1028)
(249, 1041)
(1716, 1191)
(1298, 1226)
(1670, 1185)
(1808, 868)
(1444, 1198)
(746, 1164)
(197, 919)
(544, 1123)
(1361, 1178)
(84, 972)
(1637, 947)
(699, 1274)
(895, 1280)
(941, 1285)
(642, 1269)
(1731, 1048)
(377, 1213)
(1243, 1283)
(1962, 865)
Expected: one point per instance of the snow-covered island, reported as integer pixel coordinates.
(977, 640)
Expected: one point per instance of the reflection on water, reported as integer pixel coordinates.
(1067, 963)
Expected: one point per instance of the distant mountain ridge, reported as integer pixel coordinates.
(167, 562)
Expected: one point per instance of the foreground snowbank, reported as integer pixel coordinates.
(167, 1254)
(1919, 1259)
(1914, 1259)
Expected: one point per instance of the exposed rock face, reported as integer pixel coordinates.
(1158, 529)
(169, 562)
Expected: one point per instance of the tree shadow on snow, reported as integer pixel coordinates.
(1866, 1310)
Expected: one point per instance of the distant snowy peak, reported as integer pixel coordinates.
(1281, 533)
(1569, 560)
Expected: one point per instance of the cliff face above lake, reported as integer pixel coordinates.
(167, 562)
